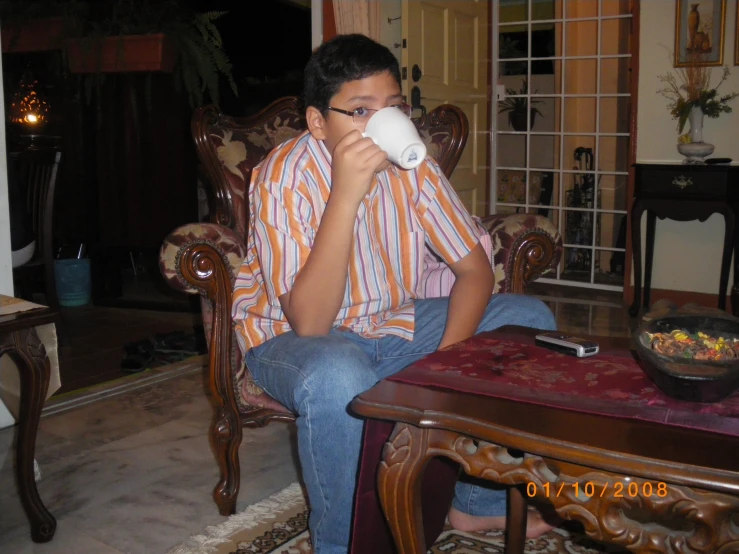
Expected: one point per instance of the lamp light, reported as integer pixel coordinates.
(28, 105)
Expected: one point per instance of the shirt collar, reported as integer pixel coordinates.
(324, 151)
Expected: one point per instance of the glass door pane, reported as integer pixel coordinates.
(561, 135)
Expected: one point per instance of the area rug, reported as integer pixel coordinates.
(278, 525)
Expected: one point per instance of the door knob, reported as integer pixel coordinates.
(416, 100)
(416, 73)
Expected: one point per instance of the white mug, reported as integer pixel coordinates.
(394, 132)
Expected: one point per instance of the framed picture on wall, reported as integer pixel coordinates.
(699, 32)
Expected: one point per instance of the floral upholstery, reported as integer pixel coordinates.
(436, 140)
(239, 149)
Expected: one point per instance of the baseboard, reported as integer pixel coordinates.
(681, 297)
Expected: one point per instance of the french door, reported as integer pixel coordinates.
(561, 137)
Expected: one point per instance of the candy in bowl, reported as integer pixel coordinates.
(691, 357)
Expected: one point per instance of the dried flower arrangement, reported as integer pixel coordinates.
(691, 87)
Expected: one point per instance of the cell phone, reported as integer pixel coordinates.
(567, 344)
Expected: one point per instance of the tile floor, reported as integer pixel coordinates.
(133, 473)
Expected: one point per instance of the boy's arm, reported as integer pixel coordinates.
(453, 235)
(314, 301)
(316, 296)
(473, 286)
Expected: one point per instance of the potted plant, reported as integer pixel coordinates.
(516, 104)
(35, 26)
(147, 35)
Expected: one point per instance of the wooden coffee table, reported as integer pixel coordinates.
(646, 486)
(19, 340)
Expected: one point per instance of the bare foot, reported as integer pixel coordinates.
(535, 524)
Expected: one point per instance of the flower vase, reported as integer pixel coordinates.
(696, 149)
(696, 124)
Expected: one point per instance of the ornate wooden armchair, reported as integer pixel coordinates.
(205, 258)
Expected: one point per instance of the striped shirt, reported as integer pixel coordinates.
(404, 212)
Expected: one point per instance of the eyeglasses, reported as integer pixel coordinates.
(360, 116)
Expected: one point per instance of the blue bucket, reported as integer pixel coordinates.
(73, 281)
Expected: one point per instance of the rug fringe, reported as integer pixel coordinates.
(258, 513)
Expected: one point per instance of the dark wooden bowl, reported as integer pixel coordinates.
(688, 379)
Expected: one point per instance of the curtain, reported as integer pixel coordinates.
(358, 16)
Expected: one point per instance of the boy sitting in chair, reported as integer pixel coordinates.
(328, 301)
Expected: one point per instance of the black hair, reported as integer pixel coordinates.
(342, 59)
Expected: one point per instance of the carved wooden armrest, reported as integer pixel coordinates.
(198, 257)
(205, 258)
(525, 246)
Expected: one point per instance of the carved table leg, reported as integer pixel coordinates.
(649, 257)
(636, 212)
(735, 287)
(29, 355)
(399, 485)
(515, 540)
(728, 251)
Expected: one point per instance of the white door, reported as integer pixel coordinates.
(447, 43)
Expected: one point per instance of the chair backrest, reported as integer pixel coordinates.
(229, 148)
(36, 170)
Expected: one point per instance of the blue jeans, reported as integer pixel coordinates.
(317, 378)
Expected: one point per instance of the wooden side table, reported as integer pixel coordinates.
(640, 484)
(19, 340)
(684, 193)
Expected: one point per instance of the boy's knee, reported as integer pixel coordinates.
(539, 314)
(336, 375)
(518, 309)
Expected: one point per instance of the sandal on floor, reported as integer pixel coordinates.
(139, 356)
(135, 363)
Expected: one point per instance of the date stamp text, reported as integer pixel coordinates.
(616, 489)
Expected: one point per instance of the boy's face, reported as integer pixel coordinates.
(374, 93)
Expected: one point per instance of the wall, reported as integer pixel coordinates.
(391, 28)
(6, 269)
(680, 246)
(6, 266)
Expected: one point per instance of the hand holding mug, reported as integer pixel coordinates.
(393, 131)
(354, 163)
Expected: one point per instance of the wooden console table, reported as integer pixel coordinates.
(19, 340)
(638, 483)
(683, 192)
